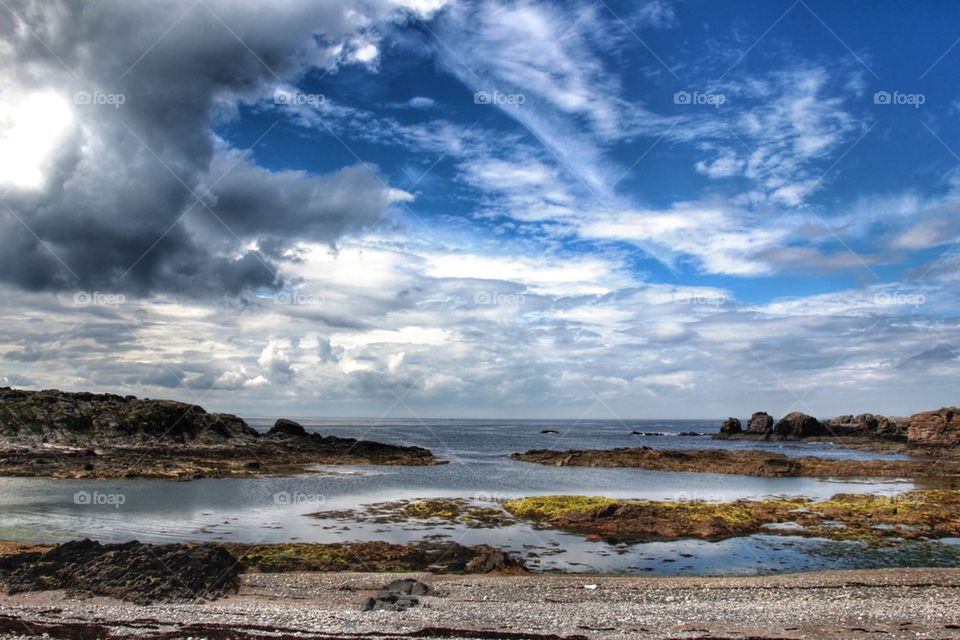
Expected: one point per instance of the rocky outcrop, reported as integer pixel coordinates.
(760, 422)
(58, 417)
(284, 427)
(731, 426)
(799, 425)
(87, 435)
(869, 425)
(751, 462)
(940, 428)
(132, 571)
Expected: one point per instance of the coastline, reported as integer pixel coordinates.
(904, 603)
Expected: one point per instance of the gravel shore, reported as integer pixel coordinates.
(897, 603)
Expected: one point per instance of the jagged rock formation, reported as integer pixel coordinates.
(101, 418)
(760, 422)
(940, 428)
(731, 426)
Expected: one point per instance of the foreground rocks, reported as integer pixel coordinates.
(752, 462)
(144, 573)
(133, 571)
(85, 435)
(863, 517)
(398, 595)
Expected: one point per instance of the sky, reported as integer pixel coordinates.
(490, 208)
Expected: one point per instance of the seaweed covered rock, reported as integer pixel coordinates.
(131, 571)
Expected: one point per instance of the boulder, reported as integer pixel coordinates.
(799, 425)
(398, 595)
(940, 428)
(284, 427)
(731, 426)
(760, 422)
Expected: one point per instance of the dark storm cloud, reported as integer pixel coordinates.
(132, 198)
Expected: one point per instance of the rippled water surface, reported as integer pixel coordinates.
(274, 509)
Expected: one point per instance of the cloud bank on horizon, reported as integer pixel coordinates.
(485, 208)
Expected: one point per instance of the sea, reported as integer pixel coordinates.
(291, 509)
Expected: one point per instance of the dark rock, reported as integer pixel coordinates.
(407, 587)
(78, 418)
(646, 433)
(869, 425)
(731, 426)
(284, 427)
(549, 431)
(760, 422)
(689, 434)
(131, 571)
(489, 560)
(940, 428)
(397, 596)
(799, 425)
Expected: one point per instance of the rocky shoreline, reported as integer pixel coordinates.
(85, 435)
(182, 572)
(752, 462)
(894, 604)
(924, 430)
(866, 518)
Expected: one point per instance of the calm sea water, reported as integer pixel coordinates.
(274, 509)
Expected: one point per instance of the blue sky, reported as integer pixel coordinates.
(489, 208)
